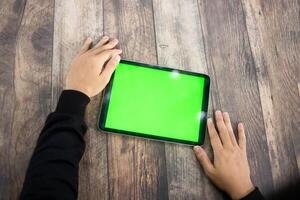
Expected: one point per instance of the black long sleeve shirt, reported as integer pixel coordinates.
(53, 169)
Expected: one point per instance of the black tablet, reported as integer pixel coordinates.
(156, 102)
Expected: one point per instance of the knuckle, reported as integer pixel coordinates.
(105, 79)
(214, 136)
(103, 40)
(109, 45)
(103, 48)
(222, 154)
(241, 152)
(109, 51)
(231, 149)
(200, 157)
(209, 172)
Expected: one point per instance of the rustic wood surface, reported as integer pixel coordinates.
(250, 48)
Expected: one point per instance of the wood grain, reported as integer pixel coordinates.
(250, 48)
(74, 22)
(297, 136)
(232, 68)
(11, 13)
(180, 44)
(31, 87)
(136, 166)
(274, 31)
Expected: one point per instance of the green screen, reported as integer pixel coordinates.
(155, 102)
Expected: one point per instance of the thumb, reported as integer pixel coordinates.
(109, 68)
(204, 160)
(86, 45)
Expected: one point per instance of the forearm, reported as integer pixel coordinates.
(53, 168)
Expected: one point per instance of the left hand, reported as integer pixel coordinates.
(87, 73)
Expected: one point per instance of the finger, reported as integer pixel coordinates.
(110, 45)
(213, 135)
(103, 41)
(86, 46)
(204, 160)
(108, 54)
(229, 128)
(104, 57)
(242, 136)
(109, 68)
(223, 132)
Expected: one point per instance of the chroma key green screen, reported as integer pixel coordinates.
(157, 103)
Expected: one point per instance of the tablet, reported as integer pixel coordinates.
(156, 102)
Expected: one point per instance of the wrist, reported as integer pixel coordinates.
(78, 89)
(243, 191)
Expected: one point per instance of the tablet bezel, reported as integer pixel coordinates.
(106, 99)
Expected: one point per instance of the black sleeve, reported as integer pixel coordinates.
(53, 169)
(254, 195)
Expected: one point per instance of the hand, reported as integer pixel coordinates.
(230, 169)
(86, 73)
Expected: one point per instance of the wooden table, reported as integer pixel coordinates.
(250, 48)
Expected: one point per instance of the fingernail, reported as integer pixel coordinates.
(197, 148)
(115, 40)
(117, 58)
(209, 120)
(105, 37)
(89, 39)
(218, 112)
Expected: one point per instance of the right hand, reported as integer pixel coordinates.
(87, 73)
(230, 169)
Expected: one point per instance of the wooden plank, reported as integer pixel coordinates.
(232, 68)
(180, 43)
(74, 22)
(297, 137)
(11, 15)
(273, 28)
(31, 88)
(136, 166)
